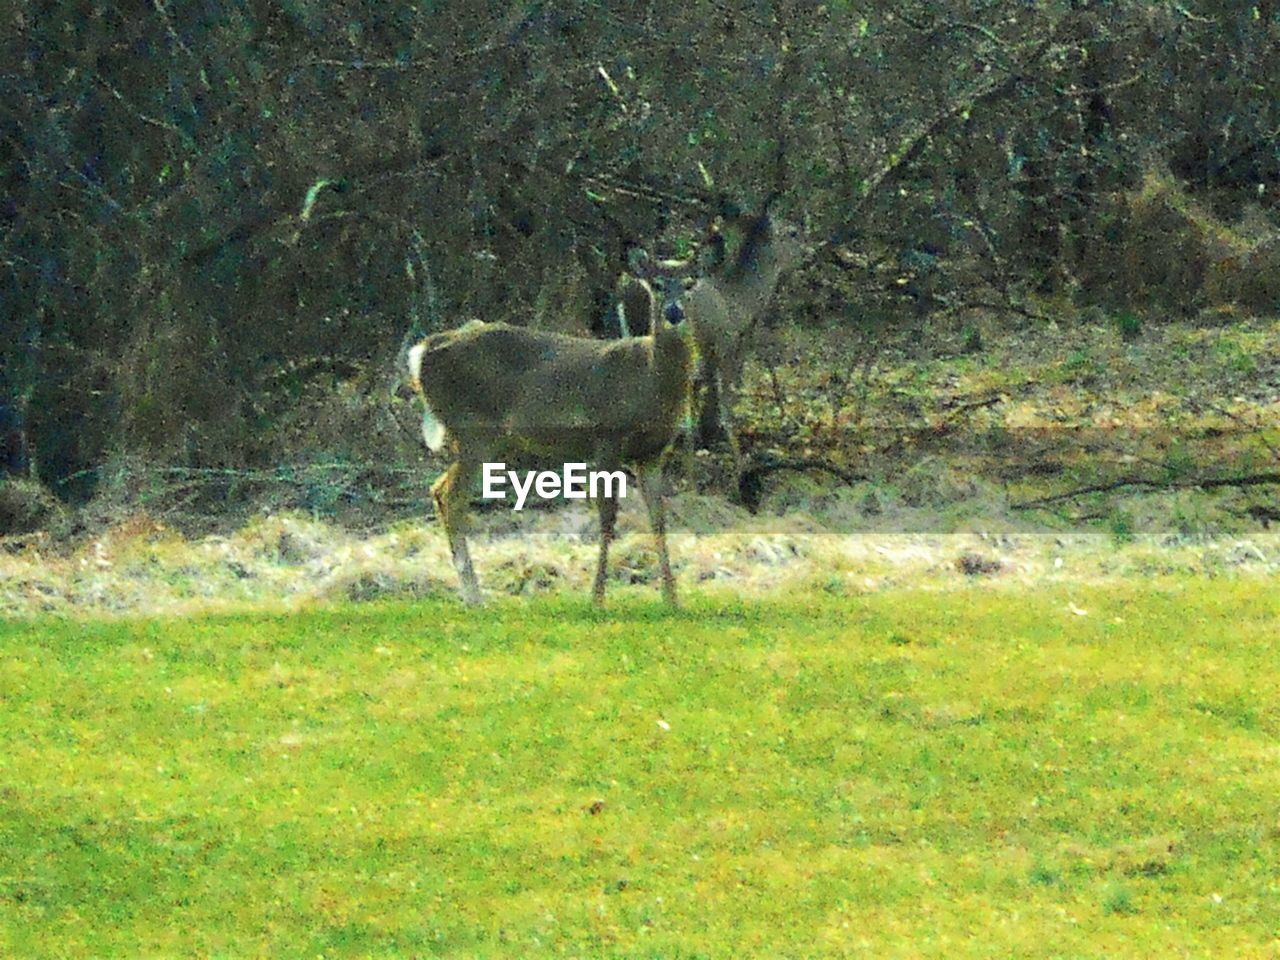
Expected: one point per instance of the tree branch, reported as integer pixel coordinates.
(1201, 483)
(913, 144)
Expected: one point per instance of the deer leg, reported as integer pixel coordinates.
(451, 493)
(715, 418)
(726, 420)
(650, 480)
(715, 421)
(608, 507)
(709, 427)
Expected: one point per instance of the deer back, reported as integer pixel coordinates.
(496, 386)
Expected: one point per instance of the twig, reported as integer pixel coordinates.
(914, 142)
(644, 191)
(1236, 418)
(1202, 483)
(974, 405)
(163, 9)
(149, 120)
(777, 389)
(750, 487)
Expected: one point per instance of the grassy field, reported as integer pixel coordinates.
(988, 771)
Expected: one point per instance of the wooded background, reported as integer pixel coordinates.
(207, 206)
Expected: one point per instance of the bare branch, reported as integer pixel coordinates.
(1198, 483)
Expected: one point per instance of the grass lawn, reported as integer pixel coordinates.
(986, 771)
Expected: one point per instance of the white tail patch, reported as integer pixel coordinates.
(433, 431)
(415, 365)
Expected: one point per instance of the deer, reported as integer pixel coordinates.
(493, 391)
(724, 306)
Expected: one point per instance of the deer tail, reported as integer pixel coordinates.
(433, 431)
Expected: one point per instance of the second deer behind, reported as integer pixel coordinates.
(749, 255)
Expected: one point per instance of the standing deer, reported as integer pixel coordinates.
(493, 391)
(725, 305)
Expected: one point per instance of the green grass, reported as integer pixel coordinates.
(979, 772)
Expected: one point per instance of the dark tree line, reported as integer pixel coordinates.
(207, 207)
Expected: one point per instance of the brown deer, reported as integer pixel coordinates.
(493, 391)
(748, 254)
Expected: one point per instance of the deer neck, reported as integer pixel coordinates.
(671, 363)
(749, 289)
(671, 349)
